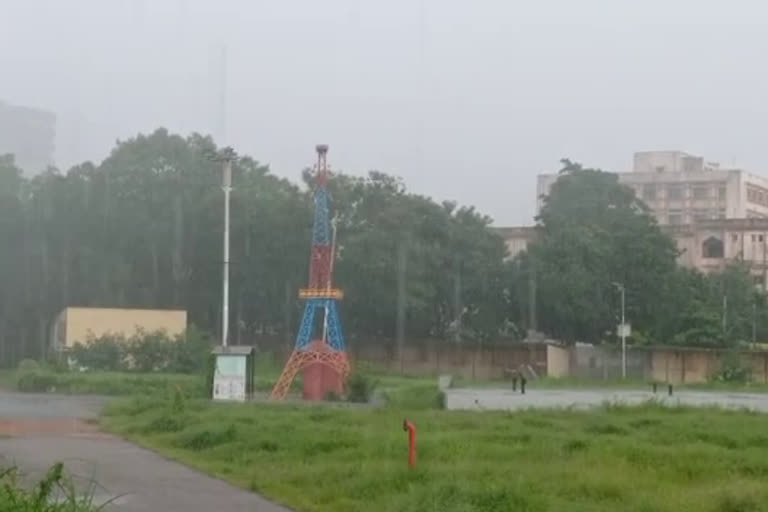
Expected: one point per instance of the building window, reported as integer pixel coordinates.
(757, 195)
(675, 218)
(674, 192)
(712, 247)
(659, 168)
(700, 215)
(721, 193)
(649, 192)
(700, 192)
(734, 238)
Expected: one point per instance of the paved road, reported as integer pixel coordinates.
(506, 399)
(138, 480)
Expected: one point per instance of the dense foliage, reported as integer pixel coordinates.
(144, 352)
(143, 229)
(594, 237)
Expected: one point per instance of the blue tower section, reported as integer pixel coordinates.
(334, 333)
(326, 348)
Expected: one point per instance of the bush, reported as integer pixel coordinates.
(149, 351)
(105, 353)
(145, 352)
(360, 388)
(190, 351)
(732, 370)
(28, 365)
(35, 382)
(416, 397)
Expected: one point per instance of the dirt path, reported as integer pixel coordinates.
(38, 430)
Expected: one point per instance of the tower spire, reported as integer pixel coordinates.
(324, 360)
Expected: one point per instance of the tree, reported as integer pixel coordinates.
(144, 227)
(593, 234)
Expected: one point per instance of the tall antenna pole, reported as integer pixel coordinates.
(222, 117)
(226, 156)
(227, 188)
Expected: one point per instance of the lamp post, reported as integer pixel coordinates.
(623, 332)
(227, 155)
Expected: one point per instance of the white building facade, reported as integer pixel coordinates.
(715, 215)
(681, 189)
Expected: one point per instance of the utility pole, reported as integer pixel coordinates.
(226, 186)
(754, 323)
(623, 332)
(532, 316)
(226, 156)
(457, 305)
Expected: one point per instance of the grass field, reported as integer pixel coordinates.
(108, 383)
(337, 459)
(54, 493)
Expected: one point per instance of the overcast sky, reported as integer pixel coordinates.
(466, 100)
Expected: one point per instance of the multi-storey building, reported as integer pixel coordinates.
(29, 134)
(681, 189)
(715, 215)
(706, 245)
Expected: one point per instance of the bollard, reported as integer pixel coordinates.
(411, 429)
(514, 383)
(654, 388)
(522, 385)
(669, 390)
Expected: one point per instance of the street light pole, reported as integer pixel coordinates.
(623, 333)
(226, 186)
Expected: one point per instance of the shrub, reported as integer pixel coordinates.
(105, 353)
(732, 370)
(28, 365)
(149, 351)
(35, 382)
(145, 352)
(416, 397)
(189, 351)
(360, 387)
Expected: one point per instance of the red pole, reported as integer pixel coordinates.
(411, 429)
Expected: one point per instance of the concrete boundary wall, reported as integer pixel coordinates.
(477, 361)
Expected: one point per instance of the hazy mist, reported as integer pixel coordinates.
(465, 100)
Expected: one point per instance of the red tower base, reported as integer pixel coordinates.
(325, 371)
(320, 380)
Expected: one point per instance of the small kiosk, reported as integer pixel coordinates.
(233, 373)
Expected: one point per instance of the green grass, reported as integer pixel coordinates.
(54, 493)
(110, 383)
(339, 459)
(7, 380)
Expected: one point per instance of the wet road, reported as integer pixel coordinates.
(45, 429)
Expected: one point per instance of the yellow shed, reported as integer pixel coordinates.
(77, 325)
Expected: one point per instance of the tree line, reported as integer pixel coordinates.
(143, 229)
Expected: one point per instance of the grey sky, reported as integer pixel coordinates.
(467, 100)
